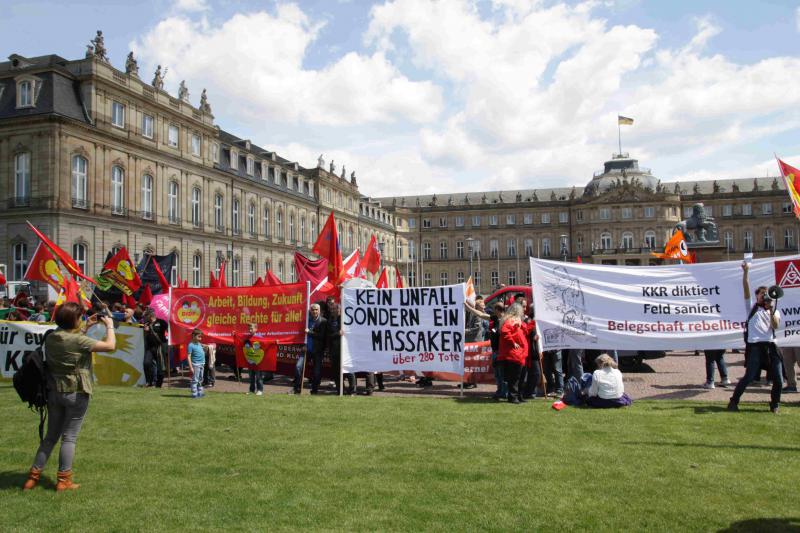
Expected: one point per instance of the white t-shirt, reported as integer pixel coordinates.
(607, 384)
(759, 328)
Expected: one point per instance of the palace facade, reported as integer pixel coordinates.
(98, 159)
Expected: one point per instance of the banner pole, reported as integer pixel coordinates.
(341, 366)
(305, 357)
(169, 339)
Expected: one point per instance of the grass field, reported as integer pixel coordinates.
(157, 460)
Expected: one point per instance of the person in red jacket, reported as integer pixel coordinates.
(514, 348)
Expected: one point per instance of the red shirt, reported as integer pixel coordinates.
(513, 332)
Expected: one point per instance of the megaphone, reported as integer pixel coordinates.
(775, 292)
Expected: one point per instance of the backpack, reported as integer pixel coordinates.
(30, 382)
(747, 324)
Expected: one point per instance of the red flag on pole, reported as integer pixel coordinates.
(129, 300)
(372, 256)
(147, 296)
(120, 272)
(315, 272)
(579, 260)
(221, 280)
(399, 282)
(212, 280)
(43, 267)
(383, 280)
(161, 279)
(327, 247)
(68, 262)
(3, 280)
(271, 279)
(259, 283)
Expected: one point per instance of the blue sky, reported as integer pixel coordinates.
(424, 96)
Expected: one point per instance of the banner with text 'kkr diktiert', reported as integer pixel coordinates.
(670, 307)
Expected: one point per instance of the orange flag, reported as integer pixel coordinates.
(327, 246)
(676, 249)
(43, 267)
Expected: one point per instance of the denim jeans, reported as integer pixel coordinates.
(758, 351)
(552, 371)
(256, 380)
(529, 378)
(715, 357)
(499, 378)
(575, 363)
(197, 380)
(65, 413)
(298, 373)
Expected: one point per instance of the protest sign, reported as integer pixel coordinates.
(477, 365)
(670, 307)
(420, 328)
(120, 367)
(279, 312)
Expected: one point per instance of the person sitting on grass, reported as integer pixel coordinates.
(607, 389)
(68, 352)
(197, 361)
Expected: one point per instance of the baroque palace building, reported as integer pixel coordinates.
(98, 159)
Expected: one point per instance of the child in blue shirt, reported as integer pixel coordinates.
(197, 360)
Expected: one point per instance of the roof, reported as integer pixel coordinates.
(59, 95)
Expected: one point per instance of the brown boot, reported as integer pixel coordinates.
(65, 481)
(33, 478)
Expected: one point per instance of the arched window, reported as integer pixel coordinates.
(292, 273)
(20, 256)
(236, 267)
(302, 229)
(267, 229)
(251, 219)
(172, 203)
(197, 264)
(196, 202)
(769, 239)
(788, 239)
(279, 223)
(291, 228)
(627, 240)
(79, 254)
(219, 220)
(251, 273)
(147, 196)
(174, 273)
(650, 239)
(443, 278)
(605, 241)
(79, 181)
(545, 249)
(280, 269)
(350, 238)
(118, 190)
(267, 266)
(728, 241)
(443, 251)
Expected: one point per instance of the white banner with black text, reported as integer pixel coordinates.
(669, 307)
(417, 328)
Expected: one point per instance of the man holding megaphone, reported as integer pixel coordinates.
(759, 336)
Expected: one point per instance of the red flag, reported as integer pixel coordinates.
(3, 280)
(129, 300)
(327, 247)
(43, 267)
(68, 262)
(314, 272)
(69, 293)
(399, 283)
(579, 260)
(259, 283)
(184, 284)
(161, 279)
(271, 279)
(791, 177)
(352, 266)
(372, 256)
(120, 272)
(146, 296)
(221, 279)
(383, 280)
(212, 281)
(255, 352)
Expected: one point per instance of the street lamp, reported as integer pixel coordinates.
(564, 249)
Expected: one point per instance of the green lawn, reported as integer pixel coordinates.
(157, 460)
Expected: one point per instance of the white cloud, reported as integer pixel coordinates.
(252, 65)
(191, 5)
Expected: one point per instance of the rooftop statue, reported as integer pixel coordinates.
(99, 46)
(158, 78)
(353, 178)
(183, 92)
(320, 162)
(204, 105)
(332, 167)
(131, 66)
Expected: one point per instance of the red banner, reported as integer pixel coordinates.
(477, 365)
(279, 313)
(255, 352)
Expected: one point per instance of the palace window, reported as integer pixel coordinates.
(460, 249)
(493, 248)
(605, 241)
(545, 218)
(627, 240)
(195, 144)
(727, 210)
(147, 197)
(427, 279)
(605, 213)
(279, 223)
(426, 223)
(173, 134)
(25, 94)
(563, 217)
(197, 263)
(20, 257)
(511, 247)
(769, 240)
(79, 181)
(495, 278)
(172, 204)
(748, 241)
(117, 114)
(265, 222)
(476, 221)
(529, 247)
(235, 216)
(512, 277)
(443, 278)
(649, 211)
(426, 251)
(79, 254)
(147, 126)
(511, 219)
(22, 178)
(219, 217)
(788, 239)
(650, 239)
(443, 250)
(459, 221)
(728, 241)
(117, 190)
(196, 199)
(251, 220)
(546, 247)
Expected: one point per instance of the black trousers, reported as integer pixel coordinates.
(529, 378)
(756, 354)
(511, 372)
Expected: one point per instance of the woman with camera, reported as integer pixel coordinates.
(68, 353)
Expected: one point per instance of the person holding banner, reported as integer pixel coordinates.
(514, 349)
(334, 342)
(256, 376)
(316, 331)
(495, 323)
(759, 336)
(68, 352)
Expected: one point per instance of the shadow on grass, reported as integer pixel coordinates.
(715, 446)
(763, 524)
(10, 481)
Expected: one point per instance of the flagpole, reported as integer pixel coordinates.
(305, 357)
(619, 134)
(169, 338)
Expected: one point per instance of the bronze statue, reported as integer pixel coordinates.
(704, 227)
